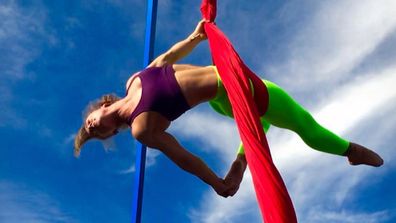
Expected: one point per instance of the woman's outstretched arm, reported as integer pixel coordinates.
(182, 48)
(167, 144)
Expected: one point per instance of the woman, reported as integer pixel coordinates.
(164, 90)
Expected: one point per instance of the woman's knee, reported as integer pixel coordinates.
(306, 125)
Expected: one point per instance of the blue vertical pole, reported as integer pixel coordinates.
(141, 149)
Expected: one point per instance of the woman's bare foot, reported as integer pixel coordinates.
(358, 154)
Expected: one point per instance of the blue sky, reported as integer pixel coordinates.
(336, 57)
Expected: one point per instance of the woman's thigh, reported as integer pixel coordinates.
(283, 111)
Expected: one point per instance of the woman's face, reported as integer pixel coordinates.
(97, 125)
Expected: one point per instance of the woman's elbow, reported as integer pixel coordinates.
(144, 137)
(169, 57)
(164, 59)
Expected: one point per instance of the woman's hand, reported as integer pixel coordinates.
(227, 187)
(199, 32)
(232, 185)
(221, 188)
(182, 48)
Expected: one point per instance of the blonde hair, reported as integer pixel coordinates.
(82, 135)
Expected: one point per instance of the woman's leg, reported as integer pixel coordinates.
(284, 112)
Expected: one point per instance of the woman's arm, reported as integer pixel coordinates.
(185, 160)
(182, 48)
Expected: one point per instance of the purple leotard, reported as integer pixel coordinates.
(160, 93)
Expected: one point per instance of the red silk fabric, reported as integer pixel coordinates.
(271, 192)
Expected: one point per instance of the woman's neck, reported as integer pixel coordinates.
(119, 112)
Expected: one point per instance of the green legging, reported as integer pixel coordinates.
(284, 112)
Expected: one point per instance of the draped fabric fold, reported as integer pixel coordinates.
(271, 192)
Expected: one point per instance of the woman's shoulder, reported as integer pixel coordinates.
(130, 79)
(136, 74)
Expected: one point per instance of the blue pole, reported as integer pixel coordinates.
(140, 148)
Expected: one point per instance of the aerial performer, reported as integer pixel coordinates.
(165, 90)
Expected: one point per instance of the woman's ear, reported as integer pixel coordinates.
(106, 104)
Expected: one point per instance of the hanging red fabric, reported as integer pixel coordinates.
(271, 192)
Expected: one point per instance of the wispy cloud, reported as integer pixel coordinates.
(151, 159)
(335, 40)
(22, 32)
(213, 133)
(287, 148)
(316, 215)
(22, 204)
(327, 49)
(131, 169)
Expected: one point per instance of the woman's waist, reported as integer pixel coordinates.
(197, 85)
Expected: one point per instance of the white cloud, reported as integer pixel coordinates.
(151, 159)
(327, 50)
(17, 29)
(315, 173)
(214, 134)
(21, 33)
(335, 40)
(320, 216)
(20, 204)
